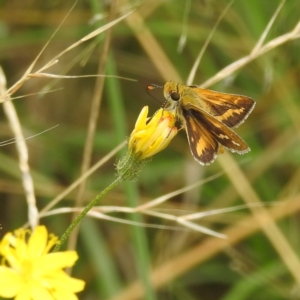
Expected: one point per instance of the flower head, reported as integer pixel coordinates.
(147, 138)
(28, 271)
(150, 137)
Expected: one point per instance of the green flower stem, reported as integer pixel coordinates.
(93, 203)
(128, 168)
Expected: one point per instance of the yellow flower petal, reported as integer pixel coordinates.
(151, 137)
(10, 282)
(63, 295)
(142, 119)
(57, 260)
(63, 282)
(37, 241)
(29, 272)
(39, 292)
(24, 294)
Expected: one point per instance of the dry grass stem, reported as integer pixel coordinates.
(48, 75)
(261, 164)
(53, 61)
(15, 125)
(183, 35)
(101, 216)
(168, 196)
(268, 225)
(152, 47)
(206, 249)
(196, 64)
(266, 31)
(230, 69)
(77, 182)
(93, 119)
(22, 150)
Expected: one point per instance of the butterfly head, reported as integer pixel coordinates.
(172, 93)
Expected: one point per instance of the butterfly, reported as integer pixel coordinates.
(208, 118)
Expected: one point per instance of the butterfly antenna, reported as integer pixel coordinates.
(152, 87)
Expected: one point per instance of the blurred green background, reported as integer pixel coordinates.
(160, 41)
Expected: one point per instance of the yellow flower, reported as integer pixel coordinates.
(29, 272)
(153, 136)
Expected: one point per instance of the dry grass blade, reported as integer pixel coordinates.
(24, 78)
(159, 200)
(266, 31)
(261, 164)
(54, 60)
(144, 209)
(204, 250)
(98, 215)
(21, 146)
(185, 223)
(13, 140)
(83, 177)
(199, 57)
(93, 118)
(84, 39)
(168, 196)
(152, 47)
(48, 75)
(200, 215)
(268, 225)
(200, 228)
(227, 71)
(183, 35)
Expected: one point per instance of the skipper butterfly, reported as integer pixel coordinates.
(208, 118)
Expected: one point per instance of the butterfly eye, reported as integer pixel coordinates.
(175, 96)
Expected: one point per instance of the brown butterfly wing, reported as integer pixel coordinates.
(203, 145)
(205, 133)
(230, 109)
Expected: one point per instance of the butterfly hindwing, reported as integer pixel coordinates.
(202, 144)
(205, 133)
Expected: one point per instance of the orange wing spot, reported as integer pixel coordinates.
(230, 113)
(201, 147)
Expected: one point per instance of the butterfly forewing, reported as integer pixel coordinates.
(230, 109)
